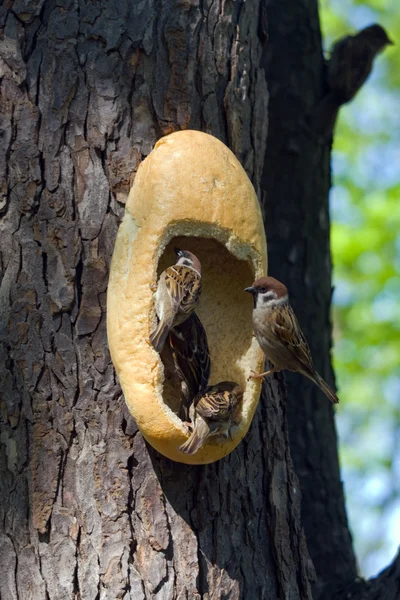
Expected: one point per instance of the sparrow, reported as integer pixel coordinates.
(279, 335)
(177, 296)
(191, 356)
(216, 410)
(349, 66)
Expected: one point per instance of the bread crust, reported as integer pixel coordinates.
(190, 185)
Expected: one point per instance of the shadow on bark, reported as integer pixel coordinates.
(243, 510)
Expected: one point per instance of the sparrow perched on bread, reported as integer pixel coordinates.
(189, 349)
(349, 66)
(279, 335)
(216, 411)
(177, 296)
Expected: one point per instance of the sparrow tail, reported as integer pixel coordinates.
(197, 439)
(158, 336)
(329, 393)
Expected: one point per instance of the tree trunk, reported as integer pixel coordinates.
(87, 509)
(295, 184)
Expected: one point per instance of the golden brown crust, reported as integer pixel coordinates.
(222, 206)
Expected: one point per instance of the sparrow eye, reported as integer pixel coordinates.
(263, 289)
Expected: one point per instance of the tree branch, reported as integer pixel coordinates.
(386, 586)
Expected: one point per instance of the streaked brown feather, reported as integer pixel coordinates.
(159, 335)
(179, 290)
(286, 328)
(184, 287)
(198, 437)
(220, 401)
(189, 346)
(217, 409)
(279, 334)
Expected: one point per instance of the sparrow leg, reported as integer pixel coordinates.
(188, 425)
(254, 375)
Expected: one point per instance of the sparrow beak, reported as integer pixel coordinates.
(251, 290)
(178, 251)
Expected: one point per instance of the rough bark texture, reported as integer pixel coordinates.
(384, 587)
(87, 509)
(295, 185)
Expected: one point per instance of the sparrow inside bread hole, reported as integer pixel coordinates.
(215, 342)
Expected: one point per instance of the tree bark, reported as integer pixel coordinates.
(295, 184)
(384, 587)
(88, 510)
(295, 188)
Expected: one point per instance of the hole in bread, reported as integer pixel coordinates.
(225, 311)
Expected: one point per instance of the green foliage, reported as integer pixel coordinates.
(365, 204)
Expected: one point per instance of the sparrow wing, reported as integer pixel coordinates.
(188, 342)
(159, 335)
(217, 406)
(184, 288)
(287, 329)
(214, 413)
(178, 293)
(199, 435)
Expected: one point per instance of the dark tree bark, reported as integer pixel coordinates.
(87, 509)
(295, 183)
(295, 186)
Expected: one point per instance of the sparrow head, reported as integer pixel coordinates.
(227, 396)
(376, 36)
(226, 386)
(267, 291)
(188, 259)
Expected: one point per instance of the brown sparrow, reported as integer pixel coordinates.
(279, 335)
(177, 296)
(189, 348)
(349, 66)
(216, 411)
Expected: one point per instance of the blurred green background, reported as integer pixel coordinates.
(365, 209)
